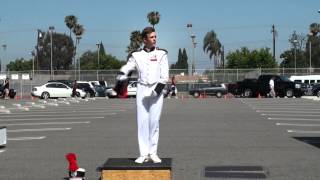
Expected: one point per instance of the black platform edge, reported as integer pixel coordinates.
(129, 164)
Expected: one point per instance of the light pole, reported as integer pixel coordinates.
(33, 56)
(98, 67)
(78, 37)
(51, 28)
(189, 26)
(193, 52)
(4, 47)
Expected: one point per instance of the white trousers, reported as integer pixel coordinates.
(148, 116)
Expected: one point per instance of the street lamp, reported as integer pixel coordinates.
(98, 67)
(189, 26)
(78, 37)
(33, 57)
(4, 47)
(51, 28)
(193, 52)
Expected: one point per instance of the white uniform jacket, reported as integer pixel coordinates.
(152, 67)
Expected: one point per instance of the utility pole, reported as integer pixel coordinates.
(274, 33)
(51, 28)
(98, 66)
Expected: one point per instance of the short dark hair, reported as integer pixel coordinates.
(147, 31)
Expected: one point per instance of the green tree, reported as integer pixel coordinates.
(182, 62)
(212, 45)
(244, 58)
(135, 41)
(314, 28)
(102, 51)
(63, 48)
(71, 22)
(89, 61)
(153, 18)
(20, 65)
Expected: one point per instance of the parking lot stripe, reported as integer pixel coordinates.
(67, 112)
(302, 132)
(48, 123)
(47, 119)
(39, 130)
(288, 108)
(295, 112)
(1, 151)
(26, 138)
(55, 115)
(295, 115)
(293, 119)
(289, 124)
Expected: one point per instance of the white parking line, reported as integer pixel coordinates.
(68, 112)
(295, 112)
(54, 115)
(5, 111)
(295, 115)
(26, 138)
(293, 109)
(1, 151)
(48, 123)
(47, 119)
(39, 130)
(293, 119)
(302, 132)
(303, 125)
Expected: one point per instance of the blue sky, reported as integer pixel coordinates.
(237, 23)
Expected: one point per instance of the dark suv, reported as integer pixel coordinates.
(212, 89)
(12, 92)
(283, 87)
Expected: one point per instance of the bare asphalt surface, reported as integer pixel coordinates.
(193, 132)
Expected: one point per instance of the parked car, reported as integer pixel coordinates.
(316, 89)
(100, 91)
(283, 87)
(55, 90)
(110, 92)
(66, 82)
(87, 87)
(101, 83)
(213, 89)
(132, 89)
(12, 92)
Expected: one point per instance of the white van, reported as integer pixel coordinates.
(308, 79)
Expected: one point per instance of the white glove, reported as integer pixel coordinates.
(121, 77)
(153, 93)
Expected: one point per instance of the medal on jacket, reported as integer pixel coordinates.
(153, 58)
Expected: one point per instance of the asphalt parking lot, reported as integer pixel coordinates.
(280, 135)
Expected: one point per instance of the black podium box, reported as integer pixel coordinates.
(126, 168)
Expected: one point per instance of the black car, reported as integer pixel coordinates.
(213, 89)
(255, 87)
(86, 88)
(316, 90)
(12, 92)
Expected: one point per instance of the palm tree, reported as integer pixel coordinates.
(78, 30)
(153, 18)
(135, 41)
(71, 22)
(212, 45)
(314, 28)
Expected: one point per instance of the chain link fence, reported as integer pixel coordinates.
(23, 81)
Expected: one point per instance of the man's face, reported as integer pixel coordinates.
(150, 40)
